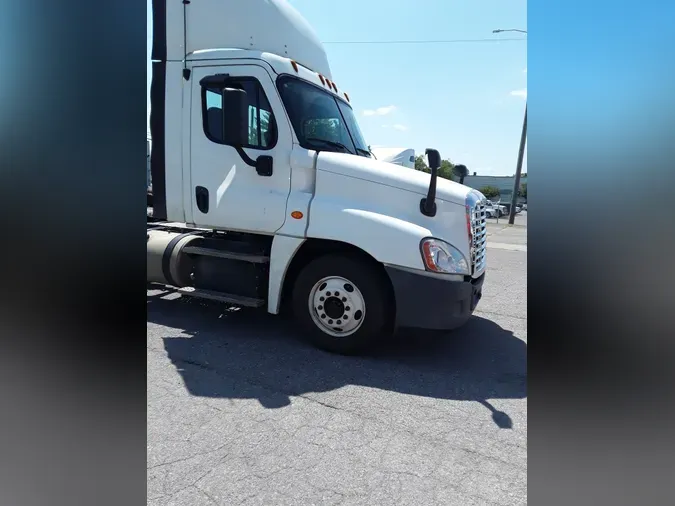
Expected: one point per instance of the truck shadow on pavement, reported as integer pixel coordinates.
(246, 354)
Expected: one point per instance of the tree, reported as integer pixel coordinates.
(253, 125)
(323, 128)
(490, 192)
(523, 190)
(445, 170)
(421, 164)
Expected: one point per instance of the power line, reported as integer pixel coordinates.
(449, 41)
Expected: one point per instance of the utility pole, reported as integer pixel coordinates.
(521, 150)
(519, 168)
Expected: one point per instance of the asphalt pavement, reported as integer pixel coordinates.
(242, 412)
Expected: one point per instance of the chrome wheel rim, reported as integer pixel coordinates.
(337, 306)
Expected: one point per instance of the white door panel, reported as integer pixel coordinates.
(238, 197)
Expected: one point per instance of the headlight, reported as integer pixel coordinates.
(439, 256)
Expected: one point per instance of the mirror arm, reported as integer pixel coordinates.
(247, 159)
(428, 204)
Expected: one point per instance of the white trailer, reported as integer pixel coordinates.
(399, 156)
(265, 193)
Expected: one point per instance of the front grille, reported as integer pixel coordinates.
(478, 226)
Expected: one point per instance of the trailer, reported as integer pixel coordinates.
(404, 157)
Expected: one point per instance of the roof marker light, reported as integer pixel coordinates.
(295, 65)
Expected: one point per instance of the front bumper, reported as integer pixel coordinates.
(433, 303)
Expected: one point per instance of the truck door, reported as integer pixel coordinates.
(228, 193)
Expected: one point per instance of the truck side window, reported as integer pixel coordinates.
(262, 128)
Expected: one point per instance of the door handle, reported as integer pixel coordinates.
(202, 199)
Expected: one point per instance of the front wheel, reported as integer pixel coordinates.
(342, 303)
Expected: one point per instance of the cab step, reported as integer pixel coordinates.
(221, 297)
(229, 255)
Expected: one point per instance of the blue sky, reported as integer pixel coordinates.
(464, 99)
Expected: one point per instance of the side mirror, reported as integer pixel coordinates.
(434, 158)
(235, 117)
(428, 204)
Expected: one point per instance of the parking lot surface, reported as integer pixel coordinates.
(242, 412)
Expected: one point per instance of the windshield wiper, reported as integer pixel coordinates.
(330, 143)
(364, 152)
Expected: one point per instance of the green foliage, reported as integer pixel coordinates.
(523, 190)
(265, 117)
(421, 164)
(445, 171)
(490, 192)
(323, 128)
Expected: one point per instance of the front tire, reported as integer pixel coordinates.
(342, 303)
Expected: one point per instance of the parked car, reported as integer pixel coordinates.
(498, 210)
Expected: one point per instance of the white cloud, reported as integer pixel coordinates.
(397, 126)
(380, 111)
(519, 93)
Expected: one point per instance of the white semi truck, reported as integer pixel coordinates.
(265, 193)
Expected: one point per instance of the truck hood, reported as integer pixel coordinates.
(390, 174)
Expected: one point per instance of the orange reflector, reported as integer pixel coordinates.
(347, 97)
(297, 215)
(322, 79)
(328, 83)
(335, 87)
(295, 65)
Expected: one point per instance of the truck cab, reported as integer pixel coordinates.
(265, 193)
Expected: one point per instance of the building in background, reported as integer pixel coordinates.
(503, 183)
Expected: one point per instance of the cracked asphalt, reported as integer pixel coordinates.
(242, 412)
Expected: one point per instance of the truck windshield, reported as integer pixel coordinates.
(320, 120)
